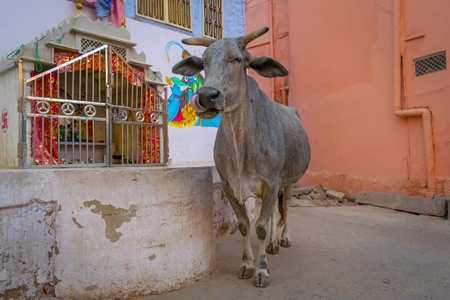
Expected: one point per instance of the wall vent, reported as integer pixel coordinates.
(88, 45)
(431, 63)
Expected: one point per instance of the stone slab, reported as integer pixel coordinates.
(334, 194)
(433, 207)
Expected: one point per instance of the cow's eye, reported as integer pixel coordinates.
(237, 60)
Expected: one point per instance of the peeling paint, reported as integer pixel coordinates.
(114, 217)
(27, 256)
(3, 274)
(76, 223)
(17, 293)
(91, 288)
(40, 276)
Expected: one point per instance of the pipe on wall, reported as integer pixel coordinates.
(422, 112)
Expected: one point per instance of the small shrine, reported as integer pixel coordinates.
(81, 96)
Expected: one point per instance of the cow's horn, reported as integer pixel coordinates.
(255, 34)
(197, 41)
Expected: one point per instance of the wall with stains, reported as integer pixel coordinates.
(104, 233)
(352, 78)
(27, 253)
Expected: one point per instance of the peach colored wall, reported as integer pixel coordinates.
(343, 81)
(429, 21)
(275, 43)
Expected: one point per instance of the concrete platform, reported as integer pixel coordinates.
(104, 233)
(433, 207)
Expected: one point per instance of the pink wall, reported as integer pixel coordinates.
(275, 43)
(344, 76)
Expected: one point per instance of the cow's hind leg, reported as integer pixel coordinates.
(267, 206)
(285, 235)
(273, 245)
(247, 270)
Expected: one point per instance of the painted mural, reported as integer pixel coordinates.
(181, 114)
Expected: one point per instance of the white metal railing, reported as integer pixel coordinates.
(94, 110)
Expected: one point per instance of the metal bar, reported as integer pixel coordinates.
(108, 130)
(22, 103)
(64, 101)
(66, 64)
(165, 133)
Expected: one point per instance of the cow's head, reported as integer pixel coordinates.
(225, 62)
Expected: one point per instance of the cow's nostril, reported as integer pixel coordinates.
(214, 94)
(207, 96)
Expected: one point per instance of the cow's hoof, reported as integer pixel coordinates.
(285, 242)
(262, 279)
(272, 248)
(246, 271)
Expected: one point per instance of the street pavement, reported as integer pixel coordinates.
(347, 252)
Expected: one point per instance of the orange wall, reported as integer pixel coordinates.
(275, 43)
(342, 81)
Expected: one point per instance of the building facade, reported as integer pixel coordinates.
(371, 89)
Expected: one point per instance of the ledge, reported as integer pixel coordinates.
(433, 207)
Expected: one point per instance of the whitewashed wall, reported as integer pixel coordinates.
(23, 20)
(66, 228)
(186, 145)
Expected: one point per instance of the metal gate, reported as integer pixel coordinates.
(92, 110)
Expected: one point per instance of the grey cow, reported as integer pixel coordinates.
(261, 147)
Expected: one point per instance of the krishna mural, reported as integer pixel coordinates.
(181, 114)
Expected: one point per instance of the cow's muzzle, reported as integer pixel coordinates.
(206, 103)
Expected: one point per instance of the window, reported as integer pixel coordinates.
(173, 12)
(213, 18)
(431, 63)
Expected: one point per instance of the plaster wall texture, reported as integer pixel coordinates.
(344, 93)
(342, 83)
(106, 232)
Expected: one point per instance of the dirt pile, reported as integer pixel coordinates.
(318, 196)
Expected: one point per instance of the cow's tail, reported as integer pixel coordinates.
(281, 203)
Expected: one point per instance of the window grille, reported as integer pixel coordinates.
(213, 18)
(431, 63)
(89, 45)
(173, 12)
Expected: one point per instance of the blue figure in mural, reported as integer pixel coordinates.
(181, 114)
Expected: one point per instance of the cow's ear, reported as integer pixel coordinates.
(268, 67)
(189, 66)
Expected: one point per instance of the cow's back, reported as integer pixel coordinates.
(274, 145)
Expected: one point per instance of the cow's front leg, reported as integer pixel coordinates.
(267, 206)
(247, 270)
(273, 245)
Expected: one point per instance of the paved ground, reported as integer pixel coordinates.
(351, 252)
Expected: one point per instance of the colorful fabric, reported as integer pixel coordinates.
(97, 62)
(44, 131)
(110, 8)
(150, 135)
